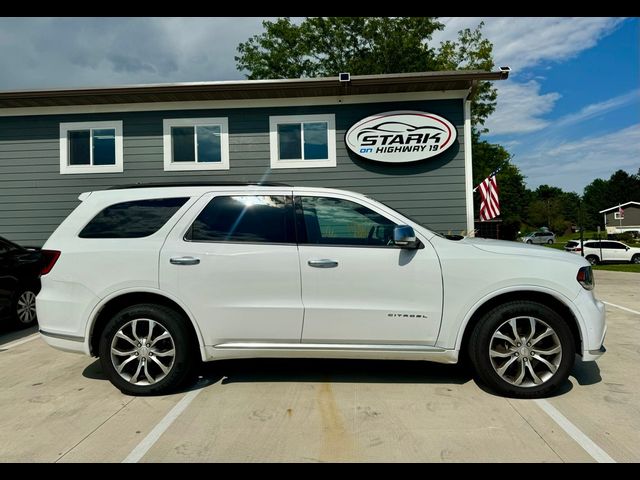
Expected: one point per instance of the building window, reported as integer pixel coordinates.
(303, 141)
(196, 144)
(618, 216)
(91, 147)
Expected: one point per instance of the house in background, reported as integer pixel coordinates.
(622, 218)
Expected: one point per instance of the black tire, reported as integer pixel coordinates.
(550, 242)
(529, 242)
(184, 345)
(480, 342)
(592, 259)
(24, 314)
(635, 258)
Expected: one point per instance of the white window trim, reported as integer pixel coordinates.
(274, 121)
(65, 128)
(171, 166)
(618, 216)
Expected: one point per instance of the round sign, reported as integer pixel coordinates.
(401, 137)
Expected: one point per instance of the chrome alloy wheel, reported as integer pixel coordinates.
(525, 351)
(143, 352)
(26, 308)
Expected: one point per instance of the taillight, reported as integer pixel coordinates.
(577, 249)
(585, 278)
(49, 259)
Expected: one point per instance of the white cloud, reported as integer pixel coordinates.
(520, 108)
(574, 164)
(598, 109)
(523, 42)
(526, 42)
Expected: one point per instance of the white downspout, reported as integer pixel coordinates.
(468, 167)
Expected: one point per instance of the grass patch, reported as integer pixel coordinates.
(619, 267)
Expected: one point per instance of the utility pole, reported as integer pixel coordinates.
(580, 227)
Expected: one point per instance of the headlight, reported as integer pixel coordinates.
(585, 278)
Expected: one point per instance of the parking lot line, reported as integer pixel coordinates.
(620, 307)
(19, 342)
(153, 436)
(598, 454)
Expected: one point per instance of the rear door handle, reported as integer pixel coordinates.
(184, 261)
(323, 263)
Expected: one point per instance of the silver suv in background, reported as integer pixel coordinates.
(540, 237)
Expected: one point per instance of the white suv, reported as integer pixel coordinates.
(596, 251)
(154, 279)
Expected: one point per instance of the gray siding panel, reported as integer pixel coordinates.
(35, 198)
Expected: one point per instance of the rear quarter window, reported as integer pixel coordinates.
(135, 219)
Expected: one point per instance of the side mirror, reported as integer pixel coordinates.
(405, 237)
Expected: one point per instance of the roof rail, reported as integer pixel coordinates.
(200, 183)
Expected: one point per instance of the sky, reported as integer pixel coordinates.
(569, 112)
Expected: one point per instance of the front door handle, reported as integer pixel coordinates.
(184, 261)
(323, 263)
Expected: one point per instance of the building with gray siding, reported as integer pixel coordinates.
(622, 218)
(56, 144)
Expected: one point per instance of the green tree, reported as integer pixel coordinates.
(326, 46)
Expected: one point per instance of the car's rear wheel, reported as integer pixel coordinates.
(592, 259)
(25, 308)
(635, 258)
(147, 349)
(522, 349)
(550, 242)
(529, 242)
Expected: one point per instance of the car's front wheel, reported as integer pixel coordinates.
(529, 242)
(147, 349)
(550, 242)
(636, 258)
(522, 349)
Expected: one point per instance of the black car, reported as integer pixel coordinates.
(19, 283)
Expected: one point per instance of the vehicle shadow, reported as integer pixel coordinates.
(586, 373)
(315, 370)
(9, 333)
(347, 371)
(334, 370)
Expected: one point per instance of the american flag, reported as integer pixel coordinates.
(489, 205)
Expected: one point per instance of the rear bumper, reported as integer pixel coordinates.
(68, 343)
(61, 314)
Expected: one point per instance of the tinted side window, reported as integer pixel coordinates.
(615, 245)
(333, 221)
(245, 218)
(136, 219)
